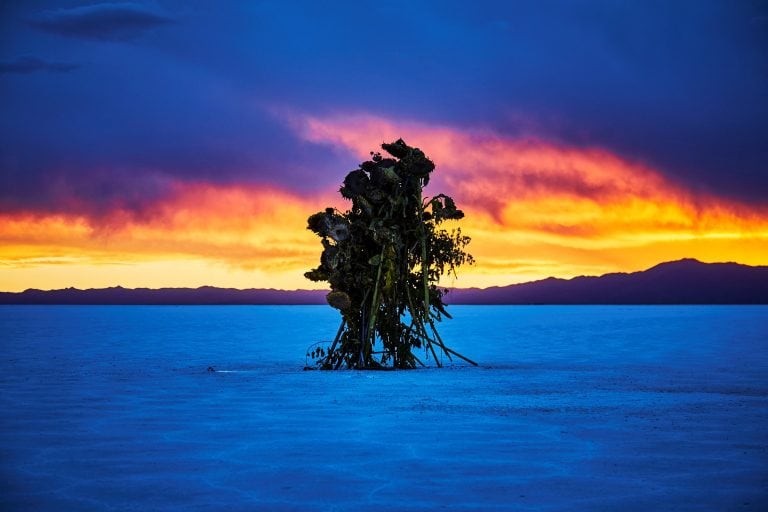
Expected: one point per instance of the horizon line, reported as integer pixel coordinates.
(119, 286)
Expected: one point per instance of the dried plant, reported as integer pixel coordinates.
(383, 259)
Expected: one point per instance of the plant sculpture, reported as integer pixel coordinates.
(383, 259)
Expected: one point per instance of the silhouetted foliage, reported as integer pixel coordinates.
(383, 259)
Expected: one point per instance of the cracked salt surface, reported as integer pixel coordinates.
(573, 408)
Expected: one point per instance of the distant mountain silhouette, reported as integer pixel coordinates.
(686, 281)
(205, 295)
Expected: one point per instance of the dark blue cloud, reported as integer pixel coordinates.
(32, 64)
(678, 85)
(107, 21)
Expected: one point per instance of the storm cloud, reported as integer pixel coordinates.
(32, 64)
(679, 87)
(106, 21)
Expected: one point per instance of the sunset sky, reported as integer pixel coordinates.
(164, 143)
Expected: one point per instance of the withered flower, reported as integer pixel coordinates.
(339, 300)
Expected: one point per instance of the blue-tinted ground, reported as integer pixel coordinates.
(572, 408)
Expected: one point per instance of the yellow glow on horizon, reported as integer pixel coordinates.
(187, 273)
(534, 210)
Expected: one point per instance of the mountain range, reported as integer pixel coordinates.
(685, 281)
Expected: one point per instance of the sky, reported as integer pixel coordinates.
(170, 143)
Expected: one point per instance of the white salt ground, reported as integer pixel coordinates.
(572, 408)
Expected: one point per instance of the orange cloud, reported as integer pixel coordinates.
(534, 209)
(209, 233)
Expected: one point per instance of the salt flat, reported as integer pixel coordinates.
(572, 408)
